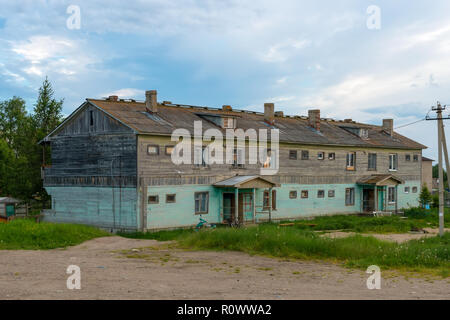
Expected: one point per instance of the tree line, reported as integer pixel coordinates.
(20, 152)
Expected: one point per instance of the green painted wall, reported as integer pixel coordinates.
(98, 206)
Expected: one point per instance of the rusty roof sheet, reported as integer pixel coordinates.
(293, 129)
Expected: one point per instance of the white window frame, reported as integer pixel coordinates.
(391, 196)
(351, 161)
(393, 162)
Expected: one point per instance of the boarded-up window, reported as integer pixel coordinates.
(372, 161)
(153, 199)
(201, 202)
(350, 196)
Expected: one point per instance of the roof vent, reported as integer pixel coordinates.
(348, 120)
(279, 114)
(113, 98)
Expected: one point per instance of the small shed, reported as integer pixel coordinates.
(8, 207)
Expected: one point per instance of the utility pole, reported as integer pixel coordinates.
(441, 140)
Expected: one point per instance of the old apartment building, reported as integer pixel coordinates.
(111, 167)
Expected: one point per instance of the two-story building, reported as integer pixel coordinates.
(112, 167)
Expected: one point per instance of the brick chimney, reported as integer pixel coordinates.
(388, 126)
(269, 113)
(150, 101)
(113, 98)
(314, 119)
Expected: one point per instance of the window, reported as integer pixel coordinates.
(351, 159)
(91, 117)
(350, 196)
(407, 157)
(304, 194)
(170, 198)
(320, 155)
(169, 150)
(228, 123)
(320, 193)
(406, 189)
(201, 202)
(200, 157)
(393, 162)
(270, 159)
(238, 158)
(293, 154)
(152, 150)
(292, 194)
(414, 189)
(305, 154)
(153, 199)
(330, 193)
(391, 194)
(372, 161)
(331, 156)
(266, 200)
(416, 158)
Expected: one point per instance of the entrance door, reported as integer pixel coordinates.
(380, 199)
(245, 207)
(368, 200)
(228, 207)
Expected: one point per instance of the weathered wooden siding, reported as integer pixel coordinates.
(92, 179)
(159, 169)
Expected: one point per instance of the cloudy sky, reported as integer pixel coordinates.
(298, 54)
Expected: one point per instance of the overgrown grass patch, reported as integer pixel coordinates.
(29, 235)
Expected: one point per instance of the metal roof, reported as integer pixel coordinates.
(236, 181)
(378, 179)
(8, 200)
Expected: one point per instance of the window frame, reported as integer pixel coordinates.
(406, 190)
(206, 200)
(331, 156)
(155, 201)
(292, 154)
(393, 164)
(415, 158)
(305, 155)
(320, 155)
(347, 164)
(352, 196)
(170, 195)
(169, 146)
(415, 189)
(407, 157)
(331, 193)
(321, 191)
(154, 146)
(369, 162)
(391, 196)
(304, 192)
(293, 194)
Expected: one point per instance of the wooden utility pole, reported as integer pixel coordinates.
(441, 141)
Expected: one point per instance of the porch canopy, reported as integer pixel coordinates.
(244, 182)
(380, 180)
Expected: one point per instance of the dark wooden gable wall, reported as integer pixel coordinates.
(92, 149)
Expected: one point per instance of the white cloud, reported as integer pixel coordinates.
(126, 93)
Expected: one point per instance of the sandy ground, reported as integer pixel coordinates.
(119, 268)
(397, 237)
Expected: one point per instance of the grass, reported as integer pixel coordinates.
(29, 235)
(301, 242)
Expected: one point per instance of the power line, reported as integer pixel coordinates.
(408, 124)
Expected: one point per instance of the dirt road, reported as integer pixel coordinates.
(119, 268)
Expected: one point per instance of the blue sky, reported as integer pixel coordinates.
(298, 54)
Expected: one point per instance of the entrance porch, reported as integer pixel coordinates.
(379, 193)
(242, 190)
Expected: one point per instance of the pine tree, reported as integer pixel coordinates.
(425, 196)
(47, 110)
